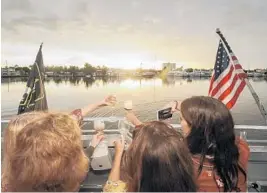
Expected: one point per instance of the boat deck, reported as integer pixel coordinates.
(256, 137)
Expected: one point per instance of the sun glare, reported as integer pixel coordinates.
(130, 84)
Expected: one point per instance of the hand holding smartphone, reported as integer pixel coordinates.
(164, 114)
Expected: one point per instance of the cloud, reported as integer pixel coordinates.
(125, 28)
(175, 30)
(135, 3)
(151, 20)
(47, 14)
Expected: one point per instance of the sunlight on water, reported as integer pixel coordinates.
(148, 95)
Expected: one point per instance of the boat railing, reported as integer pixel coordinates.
(178, 126)
(117, 120)
(256, 138)
(247, 128)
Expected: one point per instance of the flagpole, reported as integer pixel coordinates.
(252, 91)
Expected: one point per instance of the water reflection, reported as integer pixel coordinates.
(168, 81)
(171, 81)
(58, 80)
(148, 95)
(11, 80)
(89, 82)
(74, 80)
(259, 79)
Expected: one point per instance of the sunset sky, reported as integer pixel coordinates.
(125, 33)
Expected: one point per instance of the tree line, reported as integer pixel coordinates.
(90, 69)
(86, 69)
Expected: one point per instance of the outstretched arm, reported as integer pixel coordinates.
(97, 138)
(131, 117)
(115, 171)
(78, 114)
(109, 100)
(114, 184)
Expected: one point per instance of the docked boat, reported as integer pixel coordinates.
(89, 76)
(258, 74)
(171, 73)
(178, 73)
(250, 74)
(182, 74)
(116, 126)
(148, 74)
(196, 73)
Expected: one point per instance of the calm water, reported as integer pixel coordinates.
(148, 95)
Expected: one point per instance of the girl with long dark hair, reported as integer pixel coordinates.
(157, 160)
(220, 158)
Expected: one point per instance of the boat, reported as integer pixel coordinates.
(258, 74)
(116, 126)
(181, 74)
(171, 73)
(88, 76)
(148, 74)
(250, 74)
(177, 73)
(196, 73)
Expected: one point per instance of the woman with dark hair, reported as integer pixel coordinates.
(156, 161)
(220, 158)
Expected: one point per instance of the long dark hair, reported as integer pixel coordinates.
(212, 134)
(158, 160)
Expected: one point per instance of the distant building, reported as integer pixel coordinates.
(67, 74)
(112, 73)
(261, 70)
(79, 74)
(49, 73)
(9, 72)
(98, 73)
(4, 72)
(170, 66)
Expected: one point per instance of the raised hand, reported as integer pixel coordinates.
(97, 138)
(175, 105)
(110, 100)
(119, 145)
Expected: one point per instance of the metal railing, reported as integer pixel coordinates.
(177, 126)
(255, 147)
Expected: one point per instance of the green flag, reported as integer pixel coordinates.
(34, 98)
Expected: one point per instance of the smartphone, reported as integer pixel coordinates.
(164, 114)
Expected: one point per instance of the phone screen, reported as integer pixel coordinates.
(164, 114)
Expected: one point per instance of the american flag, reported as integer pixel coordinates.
(227, 81)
